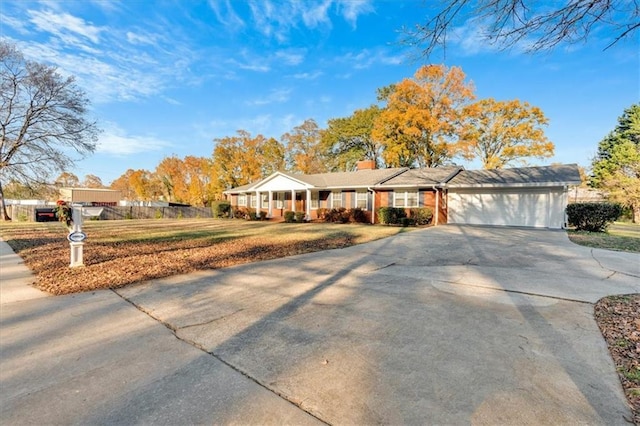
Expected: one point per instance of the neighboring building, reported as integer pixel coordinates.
(530, 196)
(91, 196)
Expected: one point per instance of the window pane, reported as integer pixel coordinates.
(398, 198)
(336, 199)
(279, 200)
(314, 200)
(361, 200)
(242, 200)
(412, 199)
(265, 201)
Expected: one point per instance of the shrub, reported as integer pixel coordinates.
(289, 216)
(358, 215)
(299, 217)
(251, 215)
(240, 212)
(180, 215)
(323, 214)
(159, 214)
(221, 208)
(593, 217)
(263, 215)
(407, 221)
(391, 215)
(421, 216)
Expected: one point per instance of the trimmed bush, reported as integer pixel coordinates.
(289, 216)
(221, 208)
(323, 214)
(358, 215)
(421, 216)
(252, 215)
(263, 215)
(391, 215)
(299, 217)
(592, 217)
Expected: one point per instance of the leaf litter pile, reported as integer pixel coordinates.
(619, 320)
(118, 253)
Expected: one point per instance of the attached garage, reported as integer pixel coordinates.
(531, 197)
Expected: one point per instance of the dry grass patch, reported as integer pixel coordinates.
(118, 253)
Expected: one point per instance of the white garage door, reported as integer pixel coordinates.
(536, 208)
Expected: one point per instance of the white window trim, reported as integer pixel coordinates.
(404, 196)
(365, 195)
(242, 200)
(315, 200)
(253, 201)
(264, 203)
(279, 200)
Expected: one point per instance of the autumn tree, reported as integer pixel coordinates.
(304, 148)
(199, 181)
(67, 180)
(501, 132)
(42, 120)
(541, 26)
(349, 140)
(137, 185)
(241, 159)
(420, 121)
(92, 181)
(170, 175)
(616, 167)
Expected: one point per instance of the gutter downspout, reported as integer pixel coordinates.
(373, 205)
(437, 205)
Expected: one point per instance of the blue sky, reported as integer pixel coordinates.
(167, 77)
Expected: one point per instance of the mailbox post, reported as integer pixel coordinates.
(76, 237)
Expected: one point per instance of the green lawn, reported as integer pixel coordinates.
(620, 236)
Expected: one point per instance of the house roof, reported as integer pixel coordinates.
(423, 177)
(450, 177)
(565, 174)
(360, 178)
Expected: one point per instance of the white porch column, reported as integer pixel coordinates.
(293, 200)
(270, 204)
(308, 204)
(437, 207)
(258, 202)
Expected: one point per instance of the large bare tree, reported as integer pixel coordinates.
(43, 122)
(537, 25)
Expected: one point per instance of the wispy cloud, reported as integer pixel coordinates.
(226, 14)
(367, 58)
(64, 25)
(352, 9)
(275, 96)
(115, 141)
(317, 14)
(307, 75)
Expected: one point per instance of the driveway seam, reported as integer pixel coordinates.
(174, 331)
(593, 256)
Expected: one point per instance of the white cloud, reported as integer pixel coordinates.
(367, 58)
(16, 24)
(275, 96)
(307, 75)
(226, 14)
(115, 141)
(317, 14)
(291, 56)
(64, 25)
(352, 9)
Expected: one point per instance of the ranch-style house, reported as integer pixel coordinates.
(526, 196)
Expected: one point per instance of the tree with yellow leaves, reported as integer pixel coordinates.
(501, 132)
(420, 121)
(304, 149)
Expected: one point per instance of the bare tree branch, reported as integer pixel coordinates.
(508, 23)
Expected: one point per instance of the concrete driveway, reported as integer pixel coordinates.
(446, 325)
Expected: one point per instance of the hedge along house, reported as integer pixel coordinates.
(532, 196)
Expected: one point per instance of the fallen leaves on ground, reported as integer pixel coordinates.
(619, 320)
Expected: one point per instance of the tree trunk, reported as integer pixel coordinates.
(635, 214)
(5, 215)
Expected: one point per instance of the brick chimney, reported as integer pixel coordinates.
(366, 165)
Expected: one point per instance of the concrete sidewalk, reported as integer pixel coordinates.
(448, 325)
